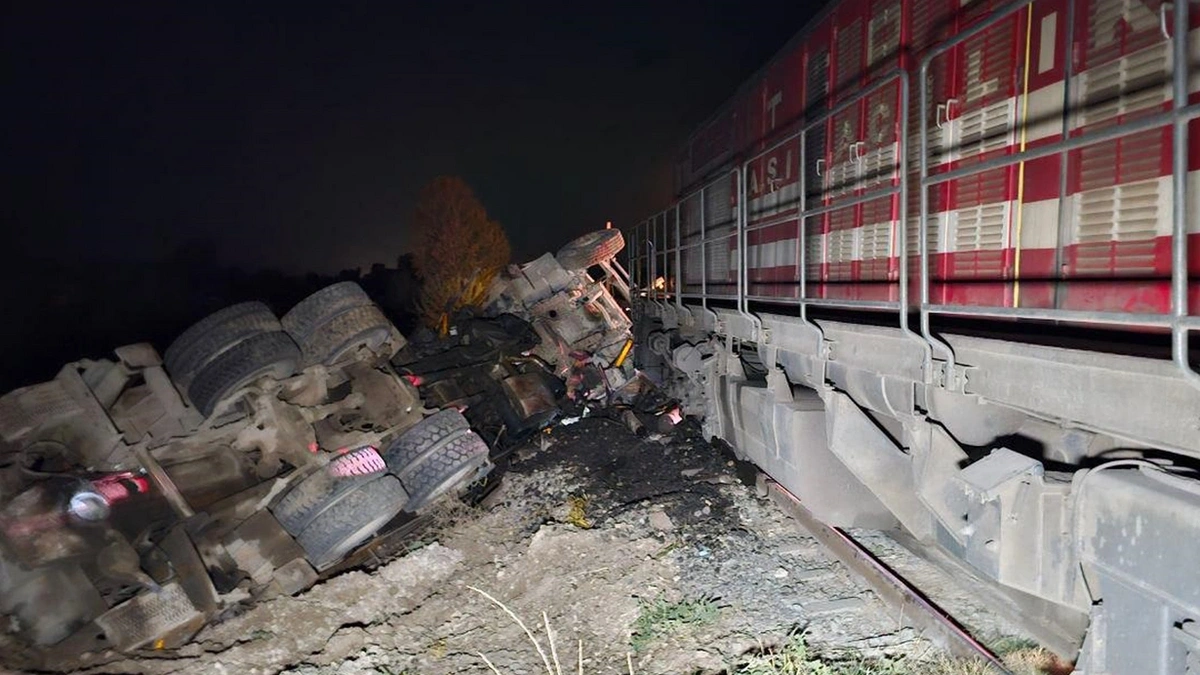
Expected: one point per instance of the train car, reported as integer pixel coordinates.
(935, 269)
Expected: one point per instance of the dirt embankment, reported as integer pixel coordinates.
(635, 553)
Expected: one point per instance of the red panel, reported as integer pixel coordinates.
(714, 141)
(884, 37)
(849, 48)
(1037, 278)
(818, 81)
(1194, 137)
(1042, 10)
(818, 87)
(930, 22)
(1123, 245)
(783, 92)
(771, 173)
(1106, 30)
(753, 122)
(1145, 295)
(1042, 175)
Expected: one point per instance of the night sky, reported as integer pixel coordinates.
(295, 136)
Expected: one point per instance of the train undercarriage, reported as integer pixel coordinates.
(1063, 480)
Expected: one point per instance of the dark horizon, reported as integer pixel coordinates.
(295, 138)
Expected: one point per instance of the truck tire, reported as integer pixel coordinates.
(590, 249)
(424, 437)
(271, 354)
(317, 309)
(460, 461)
(342, 337)
(212, 335)
(306, 499)
(350, 520)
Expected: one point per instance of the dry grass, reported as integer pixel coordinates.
(659, 618)
(796, 657)
(552, 664)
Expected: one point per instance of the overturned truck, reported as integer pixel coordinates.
(142, 497)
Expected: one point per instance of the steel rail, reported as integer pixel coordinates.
(934, 622)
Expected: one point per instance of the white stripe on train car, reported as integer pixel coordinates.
(1039, 224)
(1043, 111)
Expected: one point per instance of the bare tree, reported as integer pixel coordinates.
(458, 250)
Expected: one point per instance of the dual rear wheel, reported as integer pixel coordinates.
(229, 349)
(330, 516)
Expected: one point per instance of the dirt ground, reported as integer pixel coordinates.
(635, 552)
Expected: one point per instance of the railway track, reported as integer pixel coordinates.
(923, 614)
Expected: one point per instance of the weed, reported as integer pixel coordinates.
(1009, 644)
(577, 515)
(796, 657)
(660, 617)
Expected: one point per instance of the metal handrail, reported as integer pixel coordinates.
(1179, 115)
(1091, 138)
(1178, 320)
(1179, 169)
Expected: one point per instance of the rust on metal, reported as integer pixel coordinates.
(931, 620)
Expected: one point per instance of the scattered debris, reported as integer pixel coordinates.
(660, 521)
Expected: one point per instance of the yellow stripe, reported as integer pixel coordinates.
(1021, 165)
(620, 360)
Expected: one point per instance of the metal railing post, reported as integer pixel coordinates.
(650, 263)
(678, 262)
(902, 230)
(923, 225)
(1064, 165)
(744, 256)
(802, 228)
(1179, 167)
(703, 253)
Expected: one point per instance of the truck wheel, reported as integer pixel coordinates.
(212, 335)
(318, 308)
(345, 335)
(424, 437)
(308, 498)
(458, 462)
(334, 323)
(590, 249)
(271, 354)
(353, 518)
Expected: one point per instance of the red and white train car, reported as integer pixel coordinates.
(1085, 229)
(1030, 176)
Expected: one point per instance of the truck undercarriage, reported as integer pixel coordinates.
(144, 497)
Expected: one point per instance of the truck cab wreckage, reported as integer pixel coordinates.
(145, 496)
